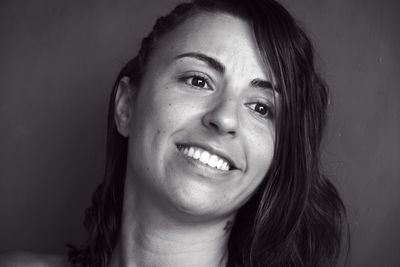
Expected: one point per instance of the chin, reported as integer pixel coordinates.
(200, 205)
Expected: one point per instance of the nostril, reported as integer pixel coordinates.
(221, 129)
(214, 125)
(232, 132)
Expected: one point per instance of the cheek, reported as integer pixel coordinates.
(260, 151)
(159, 119)
(174, 110)
(154, 113)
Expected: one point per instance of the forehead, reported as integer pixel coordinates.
(222, 36)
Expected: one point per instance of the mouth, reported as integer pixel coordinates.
(207, 157)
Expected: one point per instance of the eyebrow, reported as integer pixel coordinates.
(218, 66)
(262, 84)
(212, 62)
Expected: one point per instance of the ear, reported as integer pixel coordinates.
(123, 106)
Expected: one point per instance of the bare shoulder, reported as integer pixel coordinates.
(29, 259)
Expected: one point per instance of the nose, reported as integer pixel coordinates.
(222, 117)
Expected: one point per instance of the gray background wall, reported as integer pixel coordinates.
(59, 59)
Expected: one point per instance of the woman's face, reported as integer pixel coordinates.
(201, 125)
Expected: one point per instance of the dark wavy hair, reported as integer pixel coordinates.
(295, 217)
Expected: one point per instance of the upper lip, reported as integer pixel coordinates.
(213, 149)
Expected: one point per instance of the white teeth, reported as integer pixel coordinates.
(197, 154)
(205, 157)
(191, 152)
(213, 161)
(219, 163)
(225, 166)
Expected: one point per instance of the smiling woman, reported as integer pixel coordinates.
(213, 147)
(204, 104)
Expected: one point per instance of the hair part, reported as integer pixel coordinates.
(295, 217)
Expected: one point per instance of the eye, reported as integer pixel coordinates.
(197, 81)
(262, 109)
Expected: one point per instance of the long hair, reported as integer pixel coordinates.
(295, 217)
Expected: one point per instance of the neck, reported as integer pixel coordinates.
(156, 239)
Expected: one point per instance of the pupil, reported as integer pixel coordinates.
(261, 109)
(198, 82)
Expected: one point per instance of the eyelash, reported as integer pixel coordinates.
(269, 114)
(202, 77)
